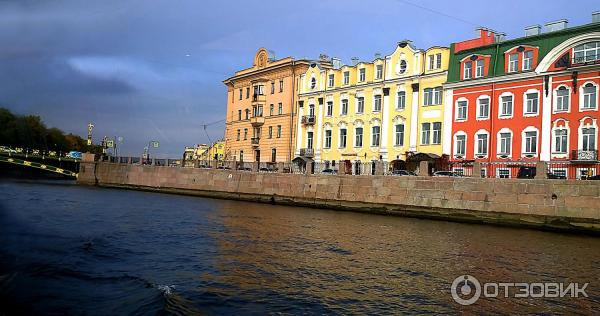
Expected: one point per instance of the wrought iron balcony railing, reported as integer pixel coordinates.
(308, 119)
(584, 155)
(307, 152)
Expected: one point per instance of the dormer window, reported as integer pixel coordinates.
(401, 67)
(468, 70)
(331, 77)
(527, 60)
(513, 62)
(479, 68)
(379, 72)
(586, 52)
(346, 77)
(361, 74)
(313, 83)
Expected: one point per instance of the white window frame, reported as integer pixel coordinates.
(499, 152)
(362, 136)
(594, 125)
(345, 142)
(398, 100)
(329, 108)
(375, 136)
(501, 106)
(426, 133)
(479, 116)
(507, 170)
(555, 153)
(456, 110)
(555, 95)
(346, 77)
(587, 170)
(468, 71)
(524, 142)
(479, 69)
(376, 107)
(327, 138)
(436, 134)
(399, 136)
(582, 97)
(513, 65)
(378, 71)
(362, 74)
(476, 148)
(584, 50)
(455, 152)
(527, 61)
(427, 96)
(526, 103)
(343, 106)
(331, 80)
(360, 110)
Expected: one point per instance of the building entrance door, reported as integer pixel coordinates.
(257, 155)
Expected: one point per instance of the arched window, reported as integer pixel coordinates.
(313, 83)
(561, 103)
(460, 144)
(589, 97)
(586, 52)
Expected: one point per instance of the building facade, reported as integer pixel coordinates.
(388, 109)
(260, 109)
(528, 99)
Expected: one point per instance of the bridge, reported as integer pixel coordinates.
(40, 161)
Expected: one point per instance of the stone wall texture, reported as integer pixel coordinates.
(549, 204)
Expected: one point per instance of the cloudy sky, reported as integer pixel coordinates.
(153, 69)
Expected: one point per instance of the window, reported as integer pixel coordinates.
(270, 131)
(527, 60)
(313, 83)
(503, 173)
(482, 144)
(531, 106)
(376, 130)
(402, 66)
(437, 133)
(589, 97)
(241, 93)
(239, 115)
(331, 80)
(346, 77)
(461, 110)
(271, 109)
(562, 100)
(588, 138)
(311, 110)
(483, 108)
(343, 133)
(272, 87)
(247, 114)
(358, 138)
(280, 85)
(278, 131)
(479, 68)
(247, 92)
(399, 139)
(241, 155)
(505, 141)
(377, 103)
(530, 143)
(468, 70)
(460, 145)
(401, 100)
(329, 108)
(328, 138)
(513, 62)
(309, 140)
(273, 155)
(586, 52)
(245, 133)
(361, 74)
(506, 109)
(280, 109)
(360, 104)
(438, 62)
(344, 107)
(431, 61)
(425, 133)
(238, 135)
(379, 72)
(437, 95)
(560, 141)
(428, 96)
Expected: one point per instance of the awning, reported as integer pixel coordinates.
(423, 156)
(301, 160)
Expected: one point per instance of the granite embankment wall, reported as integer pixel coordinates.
(547, 204)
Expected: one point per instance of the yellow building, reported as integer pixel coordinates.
(389, 109)
(215, 152)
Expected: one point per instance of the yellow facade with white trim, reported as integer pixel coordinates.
(392, 91)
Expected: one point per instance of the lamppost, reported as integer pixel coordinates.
(151, 144)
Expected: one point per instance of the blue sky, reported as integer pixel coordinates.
(153, 69)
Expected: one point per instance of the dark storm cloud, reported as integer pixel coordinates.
(153, 69)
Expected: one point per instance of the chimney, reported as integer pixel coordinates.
(596, 17)
(499, 37)
(556, 25)
(533, 30)
(354, 61)
(336, 62)
(377, 55)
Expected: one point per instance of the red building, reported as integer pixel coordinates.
(524, 100)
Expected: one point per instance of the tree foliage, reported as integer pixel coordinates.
(29, 131)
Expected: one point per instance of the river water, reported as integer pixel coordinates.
(67, 249)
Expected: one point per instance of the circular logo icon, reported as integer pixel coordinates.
(466, 289)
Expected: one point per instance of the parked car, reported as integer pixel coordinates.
(530, 172)
(403, 173)
(446, 174)
(329, 171)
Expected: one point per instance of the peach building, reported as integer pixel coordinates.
(261, 109)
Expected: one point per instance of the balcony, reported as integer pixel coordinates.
(308, 119)
(307, 152)
(257, 121)
(584, 155)
(259, 99)
(255, 141)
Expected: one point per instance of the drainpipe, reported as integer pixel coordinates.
(492, 133)
(293, 107)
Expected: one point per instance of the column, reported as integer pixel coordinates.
(318, 122)
(299, 131)
(384, 123)
(546, 120)
(414, 121)
(447, 125)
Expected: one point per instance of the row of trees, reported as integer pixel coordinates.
(28, 131)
